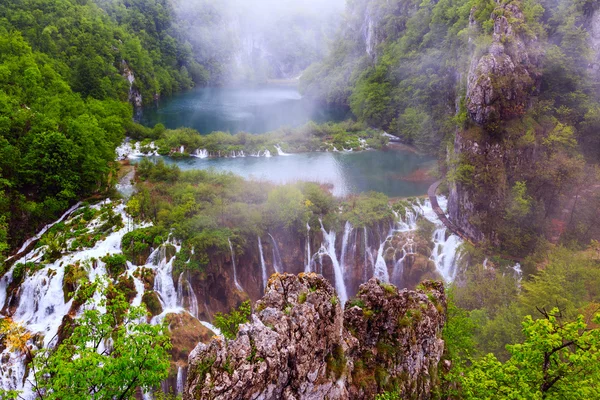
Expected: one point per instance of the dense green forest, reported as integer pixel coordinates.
(64, 93)
(71, 69)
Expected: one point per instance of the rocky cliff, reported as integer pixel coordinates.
(301, 344)
(486, 158)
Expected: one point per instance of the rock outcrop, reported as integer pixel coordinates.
(501, 83)
(500, 86)
(302, 345)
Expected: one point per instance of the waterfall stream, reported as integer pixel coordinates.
(329, 249)
(307, 267)
(41, 305)
(277, 261)
(263, 267)
(235, 280)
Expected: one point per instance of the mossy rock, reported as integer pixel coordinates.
(116, 264)
(150, 299)
(146, 275)
(186, 333)
(75, 274)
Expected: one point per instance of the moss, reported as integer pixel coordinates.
(74, 276)
(116, 264)
(360, 303)
(388, 288)
(403, 321)
(150, 299)
(302, 298)
(334, 300)
(202, 369)
(146, 275)
(336, 362)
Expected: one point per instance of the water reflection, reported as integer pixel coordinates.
(254, 109)
(389, 172)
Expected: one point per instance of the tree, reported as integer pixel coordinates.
(556, 361)
(229, 324)
(109, 353)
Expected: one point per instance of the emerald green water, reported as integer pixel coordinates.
(253, 109)
(258, 109)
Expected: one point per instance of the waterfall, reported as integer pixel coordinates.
(45, 229)
(192, 299)
(182, 149)
(180, 380)
(444, 253)
(267, 153)
(201, 153)
(235, 280)
(277, 261)
(163, 281)
(380, 271)
(347, 231)
(445, 250)
(308, 255)
(329, 249)
(262, 264)
(279, 151)
(518, 272)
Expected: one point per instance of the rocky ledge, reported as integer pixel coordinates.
(301, 344)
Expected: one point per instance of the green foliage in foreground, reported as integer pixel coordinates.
(108, 355)
(229, 324)
(557, 360)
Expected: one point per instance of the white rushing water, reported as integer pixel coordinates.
(263, 267)
(347, 231)
(329, 249)
(235, 280)
(180, 382)
(277, 261)
(41, 305)
(280, 152)
(307, 267)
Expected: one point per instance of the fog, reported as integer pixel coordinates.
(256, 41)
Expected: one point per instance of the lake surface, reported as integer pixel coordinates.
(253, 109)
(348, 173)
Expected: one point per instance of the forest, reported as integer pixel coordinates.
(502, 93)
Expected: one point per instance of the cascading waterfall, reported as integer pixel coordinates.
(277, 261)
(445, 250)
(267, 153)
(163, 281)
(184, 283)
(380, 271)
(262, 264)
(201, 153)
(280, 152)
(328, 248)
(182, 149)
(235, 280)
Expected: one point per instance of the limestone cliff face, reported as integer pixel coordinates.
(302, 345)
(500, 86)
(501, 83)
